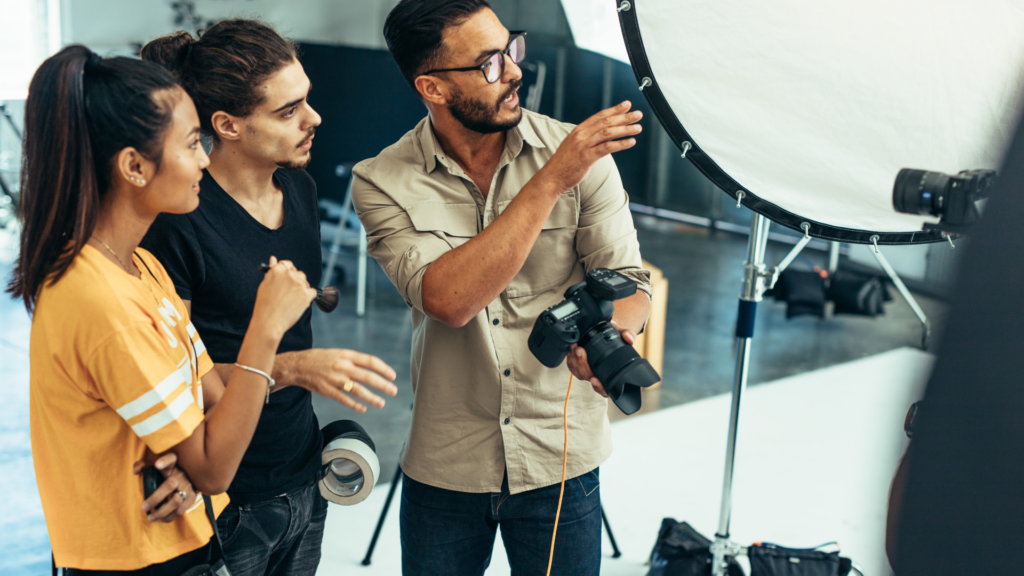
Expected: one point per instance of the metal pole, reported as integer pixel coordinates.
(926, 326)
(395, 480)
(753, 288)
(361, 288)
(608, 528)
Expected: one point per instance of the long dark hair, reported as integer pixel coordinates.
(82, 110)
(224, 68)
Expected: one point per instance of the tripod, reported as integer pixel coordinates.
(397, 478)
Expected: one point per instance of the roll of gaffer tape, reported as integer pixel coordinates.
(350, 465)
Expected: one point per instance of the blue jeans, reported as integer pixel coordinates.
(449, 533)
(276, 537)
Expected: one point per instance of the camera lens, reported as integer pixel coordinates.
(343, 477)
(920, 192)
(618, 366)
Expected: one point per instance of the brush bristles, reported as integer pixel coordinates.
(327, 298)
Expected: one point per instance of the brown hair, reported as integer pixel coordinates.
(223, 69)
(76, 122)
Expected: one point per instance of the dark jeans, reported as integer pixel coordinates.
(276, 537)
(448, 533)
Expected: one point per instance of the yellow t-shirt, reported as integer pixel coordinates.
(115, 368)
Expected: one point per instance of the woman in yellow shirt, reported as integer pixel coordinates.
(118, 373)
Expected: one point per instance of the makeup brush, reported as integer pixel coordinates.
(326, 298)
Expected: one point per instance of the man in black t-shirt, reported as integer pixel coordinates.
(256, 201)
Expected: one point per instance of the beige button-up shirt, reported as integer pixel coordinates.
(484, 404)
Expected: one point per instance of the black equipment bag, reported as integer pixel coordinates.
(772, 560)
(858, 294)
(803, 291)
(682, 551)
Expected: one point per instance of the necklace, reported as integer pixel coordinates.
(111, 250)
(151, 293)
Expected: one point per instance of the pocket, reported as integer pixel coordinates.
(589, 482)
(553, 256)
(229, 523)
(454, 223)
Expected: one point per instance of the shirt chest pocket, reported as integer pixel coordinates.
(553, 257)
(453, 223)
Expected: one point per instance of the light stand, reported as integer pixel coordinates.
(756, 280)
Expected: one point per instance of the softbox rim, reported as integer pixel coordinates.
(659, 104)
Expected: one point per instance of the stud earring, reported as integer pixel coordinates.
(132, 178)
(142, 182)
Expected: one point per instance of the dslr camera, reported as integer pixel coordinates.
(584, 318)
(952, 198)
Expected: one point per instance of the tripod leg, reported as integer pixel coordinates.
(608, 529)
(395, 480)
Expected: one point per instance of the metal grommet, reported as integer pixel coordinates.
(624, 6)
(686, 147)
(740, 195)
(645, 83)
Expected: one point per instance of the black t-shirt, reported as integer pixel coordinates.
(212, 255)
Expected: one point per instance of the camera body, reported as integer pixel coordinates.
(584, 318)
(952, 198)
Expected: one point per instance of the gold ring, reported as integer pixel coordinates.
(348, 386)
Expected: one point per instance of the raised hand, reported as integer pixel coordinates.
(603, 133)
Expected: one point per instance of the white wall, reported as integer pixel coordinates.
(113, 26)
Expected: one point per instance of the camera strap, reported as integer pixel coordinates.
(217, 565)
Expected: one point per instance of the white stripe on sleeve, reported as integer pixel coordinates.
(159, 393)
(165, 416)
(198, 342)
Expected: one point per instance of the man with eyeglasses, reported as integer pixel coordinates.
(482, 216)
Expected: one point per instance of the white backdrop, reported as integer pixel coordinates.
(815, 106)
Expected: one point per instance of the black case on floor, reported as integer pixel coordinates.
(772, 560)
(682, 551)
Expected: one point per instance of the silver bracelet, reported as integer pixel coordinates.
(270, 381)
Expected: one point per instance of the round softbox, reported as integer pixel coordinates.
(812, 108)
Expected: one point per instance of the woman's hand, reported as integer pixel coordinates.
(174, 496)
(283, 297)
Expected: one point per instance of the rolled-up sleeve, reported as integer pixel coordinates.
(606, 237)
(402, 251)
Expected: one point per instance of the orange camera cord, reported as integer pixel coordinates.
(565, 455)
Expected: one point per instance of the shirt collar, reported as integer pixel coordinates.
(516, 137)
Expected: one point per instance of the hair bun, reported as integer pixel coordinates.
(171, 51)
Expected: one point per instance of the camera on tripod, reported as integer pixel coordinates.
(954, 199)
(584, 318)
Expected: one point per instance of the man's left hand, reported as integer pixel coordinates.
(580, 368)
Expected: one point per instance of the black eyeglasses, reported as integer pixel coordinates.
(494, 66)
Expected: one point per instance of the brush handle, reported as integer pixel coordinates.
(326, 303)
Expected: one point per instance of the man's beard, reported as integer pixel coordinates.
(479, 116)
(302, 163)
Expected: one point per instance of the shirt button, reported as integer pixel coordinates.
(495, 321)
(507, 420)
(508, 372)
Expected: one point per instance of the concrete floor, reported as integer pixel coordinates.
(704, 272)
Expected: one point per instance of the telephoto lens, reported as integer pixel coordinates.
(350, 465)
(920, 192)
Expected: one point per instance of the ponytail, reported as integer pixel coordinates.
(82, 110)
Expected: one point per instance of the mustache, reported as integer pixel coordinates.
(512, 87)
(309, 135)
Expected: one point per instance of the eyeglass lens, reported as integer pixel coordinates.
(496, 64)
